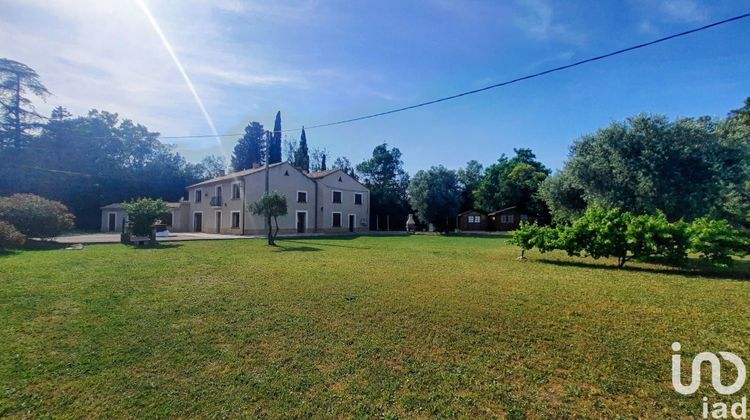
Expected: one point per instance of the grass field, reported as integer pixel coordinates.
(372, 326)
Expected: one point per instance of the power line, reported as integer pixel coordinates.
(496, 85)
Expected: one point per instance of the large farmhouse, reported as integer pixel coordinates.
(327, 202)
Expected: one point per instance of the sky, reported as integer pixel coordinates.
(320, 61)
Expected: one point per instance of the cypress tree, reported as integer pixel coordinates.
(323, 162)
(302, 157)
(274, 152)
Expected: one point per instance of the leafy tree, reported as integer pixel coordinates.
(563, 197)
(387, 180)
(271, 206)
(653, 235)
(435, 194)
(10, 237)
(717, 241)
(274, 147)
(143, 213)
(35, 216)
(687, 168)
(742, 114)
(344, 165)
(513, 182)
(317, 159)
(250, 149)
(17, 114)
(301, 155)
(290, 149)
(470, 179)
(213, 166)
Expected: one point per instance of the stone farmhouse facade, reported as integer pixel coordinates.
(318, 202)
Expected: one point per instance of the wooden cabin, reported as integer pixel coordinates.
(471, 220)
(506, 219)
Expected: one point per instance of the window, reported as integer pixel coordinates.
(235, 191)
(358, 198)
(337, 196)
(336, 220)
(198, 196)
(524, 217)
(474, 219)
(235, 219)
(302, 196)
(506, 218)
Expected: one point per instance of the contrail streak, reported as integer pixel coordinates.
(176, 60)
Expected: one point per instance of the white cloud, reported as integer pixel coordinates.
(687, 11)
(538, 20)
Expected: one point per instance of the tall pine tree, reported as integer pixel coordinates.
(274, 148)
(323, 163)
(302, 157)
(250, 149)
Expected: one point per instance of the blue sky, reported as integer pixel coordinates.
(320, 61)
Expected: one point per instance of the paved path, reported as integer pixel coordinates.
(113, 238)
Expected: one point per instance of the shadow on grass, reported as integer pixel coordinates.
(739, 271)
(158, 245)
(281, 248)
(305, 244)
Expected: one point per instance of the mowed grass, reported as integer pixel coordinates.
(393, 327)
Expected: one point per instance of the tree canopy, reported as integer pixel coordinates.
(513, 182)
(251, 148)
(435, 195)
(687, 168)
(387, 180)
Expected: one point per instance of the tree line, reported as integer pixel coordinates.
(687, 168)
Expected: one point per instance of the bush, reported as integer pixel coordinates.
(604, 233)
(35, 216)
(717, 241)
(10, 237)
(143, 213)
(655, 236)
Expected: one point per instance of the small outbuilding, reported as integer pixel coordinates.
(471, 220)
(509, 218)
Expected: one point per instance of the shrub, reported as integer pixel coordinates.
(654, 235)
(270, 206)
(603, 233)
(717, 241)
(143, 213)
(10, 237)
(35, 216)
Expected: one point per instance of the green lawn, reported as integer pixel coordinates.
(371, 326)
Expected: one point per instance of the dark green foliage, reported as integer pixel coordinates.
(250, 149)
(17, 113)
(387, 180)
(274, 147)
(513, 182)
(271, 206)
(213, 166)
(10, 237)
(90, 161)
(323, 166)
(34, 216)
(688, 168)
(143, 213)
(604, 233)
(302, 154)
(717, 241)
(346, 166)
(470, 178)
(435, 195)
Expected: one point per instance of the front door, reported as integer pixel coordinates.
(301, 222)
(351, 222)
(218, 222)
(198, 222)
(112, 221)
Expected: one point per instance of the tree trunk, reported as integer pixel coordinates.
(276, 221)
(270, 232)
